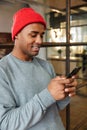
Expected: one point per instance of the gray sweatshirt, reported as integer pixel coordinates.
(25, 102)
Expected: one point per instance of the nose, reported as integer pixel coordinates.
(39, 39)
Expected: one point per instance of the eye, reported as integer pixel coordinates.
(33, 35)
(41, 36)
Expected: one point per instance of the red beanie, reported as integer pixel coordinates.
(24, 17)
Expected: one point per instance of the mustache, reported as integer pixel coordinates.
(36, 46)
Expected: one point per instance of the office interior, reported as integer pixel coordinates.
(64, 45)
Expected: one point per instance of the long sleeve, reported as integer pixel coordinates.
(14, 117)
(63, 103)
(25, 102)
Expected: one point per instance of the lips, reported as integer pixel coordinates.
(35, 47)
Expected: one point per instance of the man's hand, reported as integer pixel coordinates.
(71, 88)
(59, 87)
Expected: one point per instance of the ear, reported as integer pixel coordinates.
(16, 37)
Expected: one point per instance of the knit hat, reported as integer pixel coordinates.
(24, 17)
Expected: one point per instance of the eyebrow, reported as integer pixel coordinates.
(37, 32)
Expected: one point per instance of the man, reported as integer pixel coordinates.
(30, 93)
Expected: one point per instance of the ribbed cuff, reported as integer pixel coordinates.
(46, 98)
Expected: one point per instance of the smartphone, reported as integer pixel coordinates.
(74, 72)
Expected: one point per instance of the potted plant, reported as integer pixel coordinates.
(59, 52)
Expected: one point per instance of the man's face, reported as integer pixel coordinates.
(29, 40)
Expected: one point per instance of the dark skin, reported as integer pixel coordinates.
(59, 87)
(28, 41)
(27, 45)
